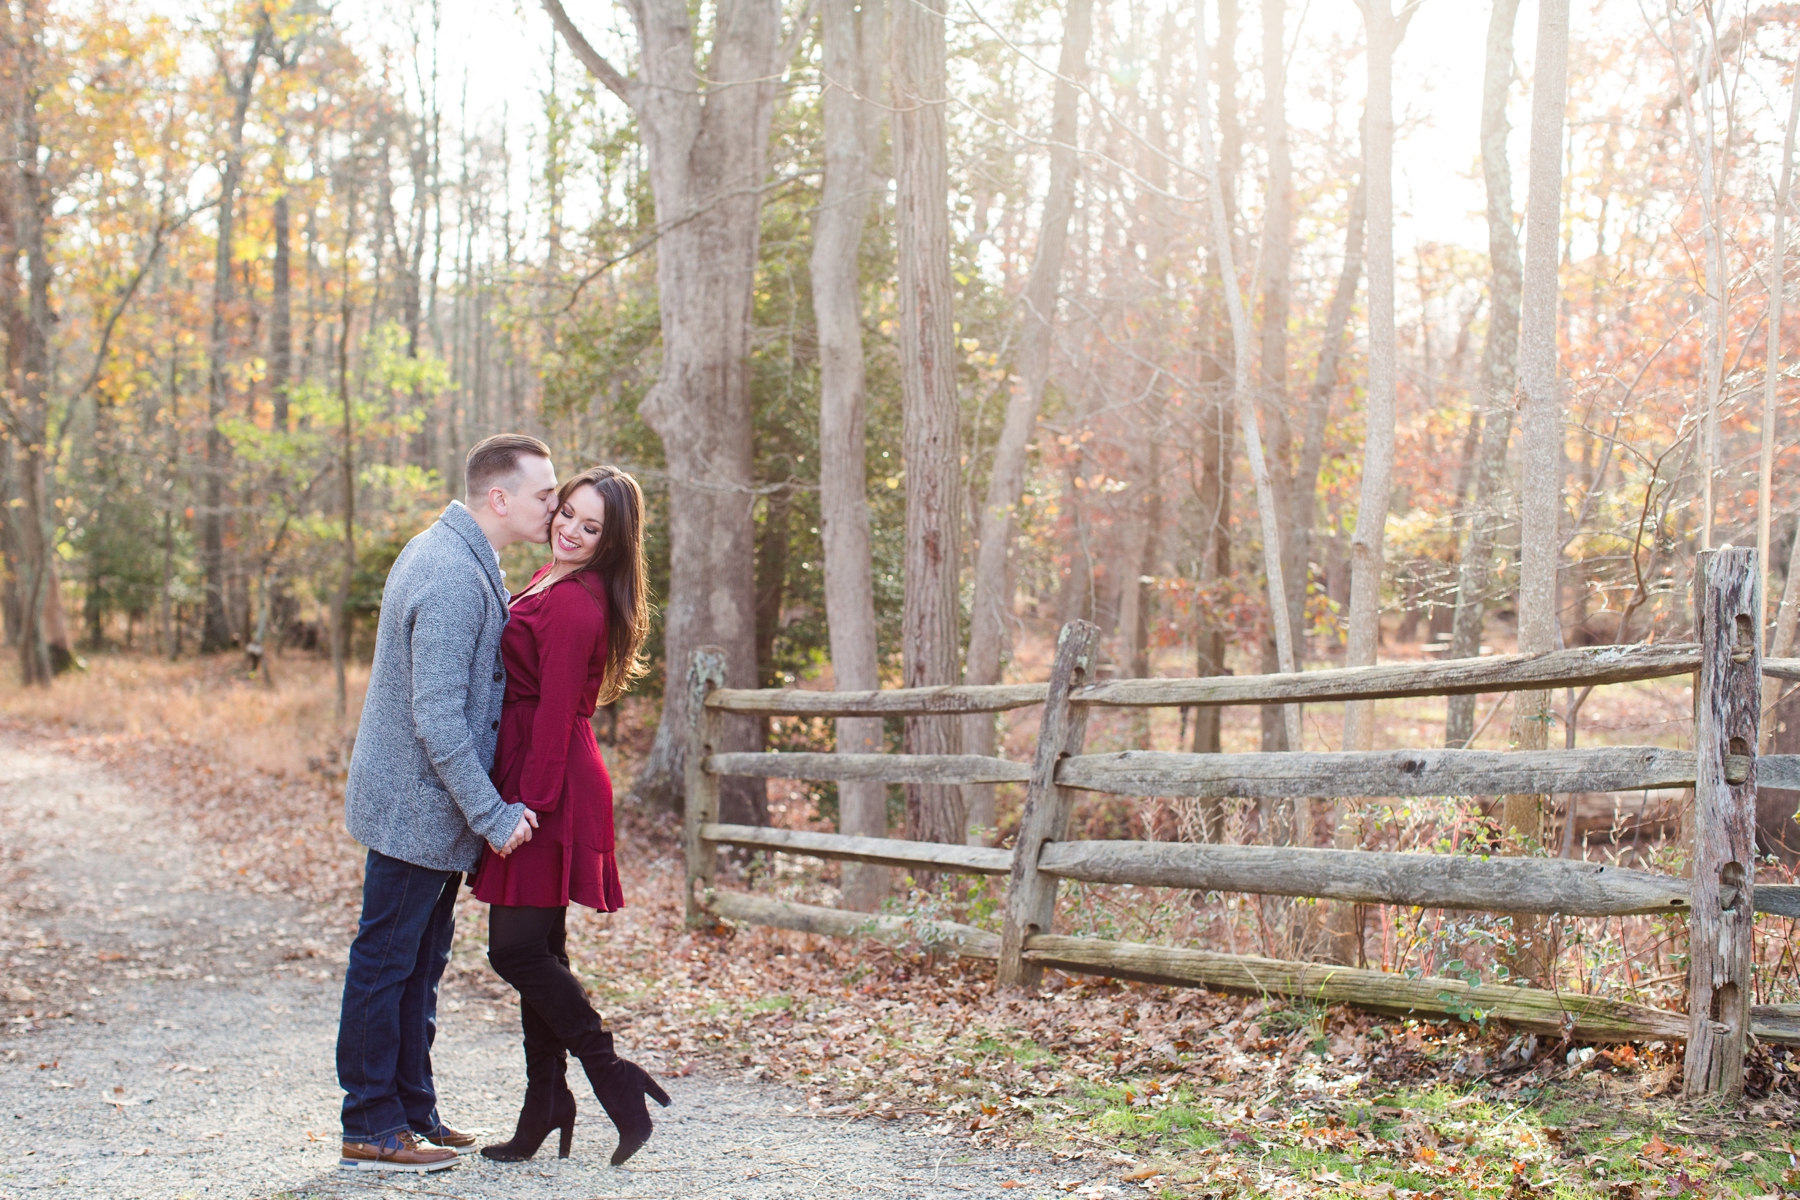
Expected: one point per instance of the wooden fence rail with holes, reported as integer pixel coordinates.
(1722, 768)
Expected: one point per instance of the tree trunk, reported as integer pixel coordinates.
(28, 337)
(1212, 493)
(853, 35)
(1540, 537)
(1385, 29)
(1541, 421)
(1305, 519)
(1772, 363)
(1218, 366)
(771, 581)
(281, 336)
(11, 556)
(705, 132)
(1712, 360)
(1241, 384)
(346, 466)
(1276, 257)
(931, 441)
(1006, 477)
(215, 631)
(1499, 365)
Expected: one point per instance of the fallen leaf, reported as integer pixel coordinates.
(1142, 1173)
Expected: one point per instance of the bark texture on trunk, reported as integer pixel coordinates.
(1218, 360)
(1700, 131)
(215, 625)
(1772, 371)
(705, 132)
(1006, 478)
(1499, 365)
(1275, 262)
(1241, 386)
(1305, 519)
(28, 324)
(1540, 538)
(1385, 29)
(1212, 493)
(281, 318)
(853, 38)
(931, 441)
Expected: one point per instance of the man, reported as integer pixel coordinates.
(419, 797)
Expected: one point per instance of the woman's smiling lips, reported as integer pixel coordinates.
(562, 539)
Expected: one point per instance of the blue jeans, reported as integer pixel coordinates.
(390, 999)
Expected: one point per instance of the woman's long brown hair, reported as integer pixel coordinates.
(617, 566)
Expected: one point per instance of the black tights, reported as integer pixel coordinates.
(527, 949)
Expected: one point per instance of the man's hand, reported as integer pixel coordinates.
(521, 833)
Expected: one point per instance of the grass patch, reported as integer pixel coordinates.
(1594, 1138)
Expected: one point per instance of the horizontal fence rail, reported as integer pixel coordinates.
(1534, 885)
(1501, 673)
(1590, 1018)
(896, 702)
(1278, 776)
(1387, 772)
(1778, 771)
(886, 852)
(942, 937)
(884, 768)
(1460, 881)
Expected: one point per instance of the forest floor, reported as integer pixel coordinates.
(176, 876)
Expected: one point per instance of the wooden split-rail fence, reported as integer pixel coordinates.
(1719, 894)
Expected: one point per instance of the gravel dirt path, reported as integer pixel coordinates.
(182, 1031)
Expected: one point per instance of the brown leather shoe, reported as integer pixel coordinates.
(399, 1152)
(456, 1139)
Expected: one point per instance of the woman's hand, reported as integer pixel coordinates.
(521, 833)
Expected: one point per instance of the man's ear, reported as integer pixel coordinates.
(496, 501)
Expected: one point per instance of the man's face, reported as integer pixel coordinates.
(532, 502)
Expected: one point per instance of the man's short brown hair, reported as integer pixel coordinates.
(495, 461)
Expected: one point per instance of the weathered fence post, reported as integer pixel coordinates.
(705, 673)
(1031, 896)
(1727, 714)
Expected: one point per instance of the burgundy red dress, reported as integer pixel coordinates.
(555, 649)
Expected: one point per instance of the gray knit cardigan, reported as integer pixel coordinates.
(418, 789)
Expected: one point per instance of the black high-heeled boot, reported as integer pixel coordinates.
(549, 1104)
(621, 1086)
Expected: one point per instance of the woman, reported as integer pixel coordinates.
(572, 642)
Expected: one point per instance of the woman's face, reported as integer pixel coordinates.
(575, 530)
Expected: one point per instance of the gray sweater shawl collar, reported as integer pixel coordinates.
(459, 519)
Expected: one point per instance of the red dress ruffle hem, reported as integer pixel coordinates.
(554, 648)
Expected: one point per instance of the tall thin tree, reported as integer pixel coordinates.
(994, 526)
(1242, 389)
(1499, 365)
(1779, 645)
(852, 36)
(931, 440)
(215, 628)
(1541, 466)
(1385, 28)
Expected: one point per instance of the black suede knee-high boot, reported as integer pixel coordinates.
(526, 946)
(549, 1104)
(621, 1086)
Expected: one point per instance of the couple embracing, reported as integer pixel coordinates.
(475, 755)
